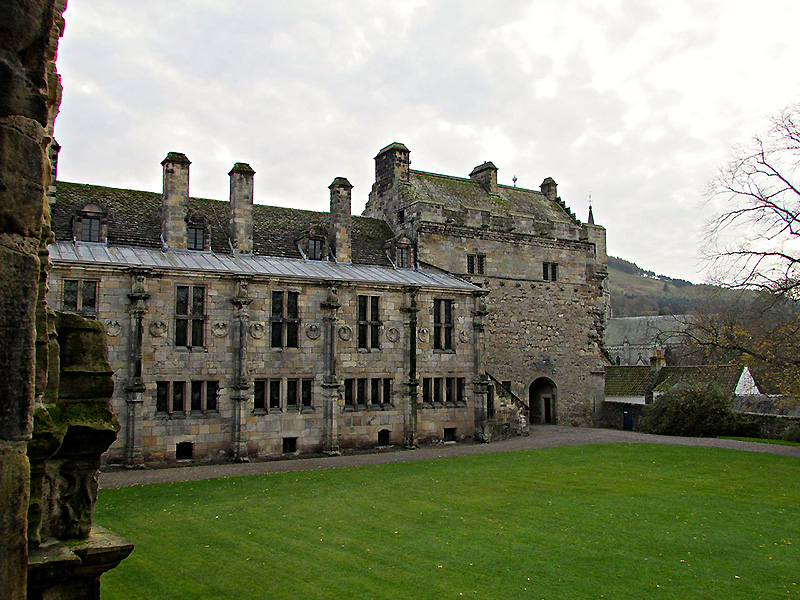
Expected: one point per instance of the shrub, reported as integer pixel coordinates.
(694, 411)
(792, 434)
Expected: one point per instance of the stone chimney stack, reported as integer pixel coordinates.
(241, 223)
(550, 189)
(175, 201)
(657, 362)
(391, 164)
(339, 234)
(486, 175)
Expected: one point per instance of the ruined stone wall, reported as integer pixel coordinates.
(29, 100)
(213, 432)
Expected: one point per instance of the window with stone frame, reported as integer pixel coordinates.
(442, 324)
(476, 264)
(363, 393)
(550, 271)
(369, 322)
(196, 234)
(276, 395)
(284, 320)
(171, 397)
(401, 217)
(90, 229)
(190, 316)
(403, 257)
(443, 391)
(316, 248)
(203, 396)
(80, 296)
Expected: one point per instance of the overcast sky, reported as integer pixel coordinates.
(635, 102)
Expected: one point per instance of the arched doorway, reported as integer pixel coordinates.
(542, 401)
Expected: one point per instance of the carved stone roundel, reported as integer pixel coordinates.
(392, 334)
(313, 332)
(463, 336)
(219, 329)
(345, 333)
(257, 330)
(158, 329)
(424, 335)
(113, 328)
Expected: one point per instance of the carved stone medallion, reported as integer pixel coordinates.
(392, 334)
(345, 333)
(219, 329)
(158, 329)
(463, 335)
(424, 335)
(257, 330)
(113, 328)
(313, 332)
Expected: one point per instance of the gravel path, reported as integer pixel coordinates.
(541, 437)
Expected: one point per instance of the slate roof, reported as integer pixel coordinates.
(134, 219)
(724, 376)
(636, 380)
(643, 331)
(627, 381)
(459, 193)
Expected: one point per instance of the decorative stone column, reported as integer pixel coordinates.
(330, 384)
(134, 390)
(410, 436)
(482, 429)
(240, 390)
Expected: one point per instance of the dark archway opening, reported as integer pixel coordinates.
(542, 401)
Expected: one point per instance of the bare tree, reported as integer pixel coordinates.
(755, 242)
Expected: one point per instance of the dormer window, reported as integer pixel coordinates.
(196, 234)
(313, 244)
(315, 249)
(400, 251)
(90, 229)
(89, 224)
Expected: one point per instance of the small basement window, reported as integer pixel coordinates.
(449, 434)
(289, 445)
(184, 451)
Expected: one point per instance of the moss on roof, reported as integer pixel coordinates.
(627, 381)
(134, 219)
(724, 376)
(460, 193)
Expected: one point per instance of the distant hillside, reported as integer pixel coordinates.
(638, 292)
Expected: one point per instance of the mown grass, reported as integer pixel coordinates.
(760, 440)
(604, 521)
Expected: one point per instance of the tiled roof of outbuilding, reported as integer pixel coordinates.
(627, 381)
(459, 193)
(134, 219)
(724, 376)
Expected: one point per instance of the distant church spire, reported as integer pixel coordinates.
(591, 215)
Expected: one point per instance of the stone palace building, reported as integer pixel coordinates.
(454, 308)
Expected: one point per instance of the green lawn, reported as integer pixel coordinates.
(604, 521)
